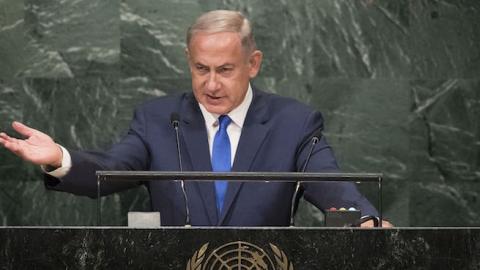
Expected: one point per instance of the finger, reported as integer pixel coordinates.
(13, 147)
(7, 139)
(367, 224)
(386, 224)
(23, 129)
(12, 144)
(4, 138)
(370, 224)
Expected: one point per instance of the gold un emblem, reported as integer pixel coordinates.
(238, 255)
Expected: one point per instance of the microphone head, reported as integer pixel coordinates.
(317, 134)
(174, 119)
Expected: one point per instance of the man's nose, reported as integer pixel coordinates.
(212, 82)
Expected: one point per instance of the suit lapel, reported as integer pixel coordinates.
(195, 138)
(254, 132)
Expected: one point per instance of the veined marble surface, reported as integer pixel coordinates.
(398, 83)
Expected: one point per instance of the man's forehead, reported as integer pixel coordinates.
(226, 64)
(215, 61)
(215, 49)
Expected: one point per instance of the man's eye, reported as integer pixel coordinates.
(225, 70)
(202, 68)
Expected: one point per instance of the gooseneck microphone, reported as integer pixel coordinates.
(315, 139)
(175, 121)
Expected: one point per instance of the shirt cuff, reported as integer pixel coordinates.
(66, 165)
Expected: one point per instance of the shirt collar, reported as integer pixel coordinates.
(237, 115)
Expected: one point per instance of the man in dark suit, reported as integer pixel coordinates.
(225, 124)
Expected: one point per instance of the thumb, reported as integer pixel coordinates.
(22, 129)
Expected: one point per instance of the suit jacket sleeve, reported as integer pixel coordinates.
(129, 154)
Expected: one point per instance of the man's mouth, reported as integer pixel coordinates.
(213, 98)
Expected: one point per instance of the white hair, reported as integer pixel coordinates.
(218, 21)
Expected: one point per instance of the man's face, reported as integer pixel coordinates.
(221, 70)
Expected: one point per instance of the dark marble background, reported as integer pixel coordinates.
(397, 81)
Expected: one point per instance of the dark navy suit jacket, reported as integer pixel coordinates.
(276, 137)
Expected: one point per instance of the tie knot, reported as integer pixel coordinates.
(224, 121)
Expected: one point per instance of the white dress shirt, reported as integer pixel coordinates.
(234, 131)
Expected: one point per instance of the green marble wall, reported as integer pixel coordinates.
(398, 83)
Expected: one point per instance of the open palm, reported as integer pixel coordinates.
(37, 147)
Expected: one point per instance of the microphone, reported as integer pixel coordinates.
(317, 135)
(175, 121)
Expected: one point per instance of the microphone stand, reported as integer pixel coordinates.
(175, 123)
(315, 140)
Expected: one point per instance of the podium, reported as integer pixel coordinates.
(251, 248)
(212, 248)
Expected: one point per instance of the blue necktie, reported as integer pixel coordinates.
(221, 156)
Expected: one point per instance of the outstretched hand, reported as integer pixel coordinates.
(37, 147)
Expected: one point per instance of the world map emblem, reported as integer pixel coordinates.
(239, 255)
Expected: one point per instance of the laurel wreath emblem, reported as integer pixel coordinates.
(281, 258)
(195, 263)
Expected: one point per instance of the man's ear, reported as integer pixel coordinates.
(255, 62)
(187, 53)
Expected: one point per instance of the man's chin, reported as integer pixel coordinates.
(216, 109)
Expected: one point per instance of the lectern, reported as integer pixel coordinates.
(212, 248)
